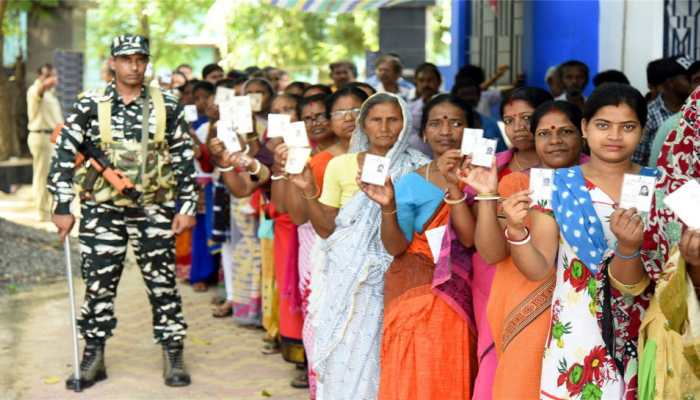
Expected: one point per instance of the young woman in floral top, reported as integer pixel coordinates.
(601, 288)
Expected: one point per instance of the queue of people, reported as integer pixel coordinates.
(517, 301)
(452, 279)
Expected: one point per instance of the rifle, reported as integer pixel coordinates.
(100, 166)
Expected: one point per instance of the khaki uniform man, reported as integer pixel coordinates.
(44, 111)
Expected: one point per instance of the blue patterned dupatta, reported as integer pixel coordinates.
(577, 218)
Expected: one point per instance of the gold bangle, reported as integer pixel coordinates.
(278, 177)
(452, 202)
(258, 168)
(487, 198)
(390, 212)
(487, 194)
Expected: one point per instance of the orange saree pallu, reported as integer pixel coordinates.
(427, 348)
(518, 312)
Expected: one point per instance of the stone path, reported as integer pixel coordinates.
(36, 351)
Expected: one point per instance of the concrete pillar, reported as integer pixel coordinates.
(402, 31)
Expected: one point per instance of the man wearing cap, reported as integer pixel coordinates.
(673, 89)
(160, 165)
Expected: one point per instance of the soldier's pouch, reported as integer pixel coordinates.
(125, 156)
(166, 176)
(159, 180)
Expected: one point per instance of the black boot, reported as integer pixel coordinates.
(174, 371)
(92, 368)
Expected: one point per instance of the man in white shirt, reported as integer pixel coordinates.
(388, 70)
(428, 82)
(342, 73)
(44, 112)
(574, 77)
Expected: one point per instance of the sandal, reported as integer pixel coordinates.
(200, 287)
(223, 311)
(301, 381)
(270, 349)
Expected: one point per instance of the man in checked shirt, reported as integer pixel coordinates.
(161, 166)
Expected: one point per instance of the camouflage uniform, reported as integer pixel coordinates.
(106, 228)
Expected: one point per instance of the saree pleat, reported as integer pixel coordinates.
(427, 348)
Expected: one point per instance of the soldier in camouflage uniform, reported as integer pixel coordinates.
(112, 121)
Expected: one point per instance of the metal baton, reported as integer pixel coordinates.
(74, 327)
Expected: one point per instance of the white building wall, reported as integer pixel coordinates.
(631, 33)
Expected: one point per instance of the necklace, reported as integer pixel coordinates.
(518, 165)
(427, 174)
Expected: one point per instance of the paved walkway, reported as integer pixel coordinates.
(36, 352)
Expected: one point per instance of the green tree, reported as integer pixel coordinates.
(258, 33)
(13, 91)
(301, 42)
(164, 22)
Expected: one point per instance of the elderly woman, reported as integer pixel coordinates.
(341, 111)
(347, 304)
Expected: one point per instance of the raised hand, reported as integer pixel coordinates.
(516, 209)
(483, 180)
(272, 143)
(241, 161)
(628, 228)
(218, 152)
(212, 110)
(449, 165)
(382, 195)
(305, 182)
(690, 248)
(280, 152)
(49, 82)
(502, 69)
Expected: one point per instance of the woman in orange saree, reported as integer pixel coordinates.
(428, 346)
(519, 309)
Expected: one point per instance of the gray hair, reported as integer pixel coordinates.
(262, 81)
(393, 60)
(379, 98)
